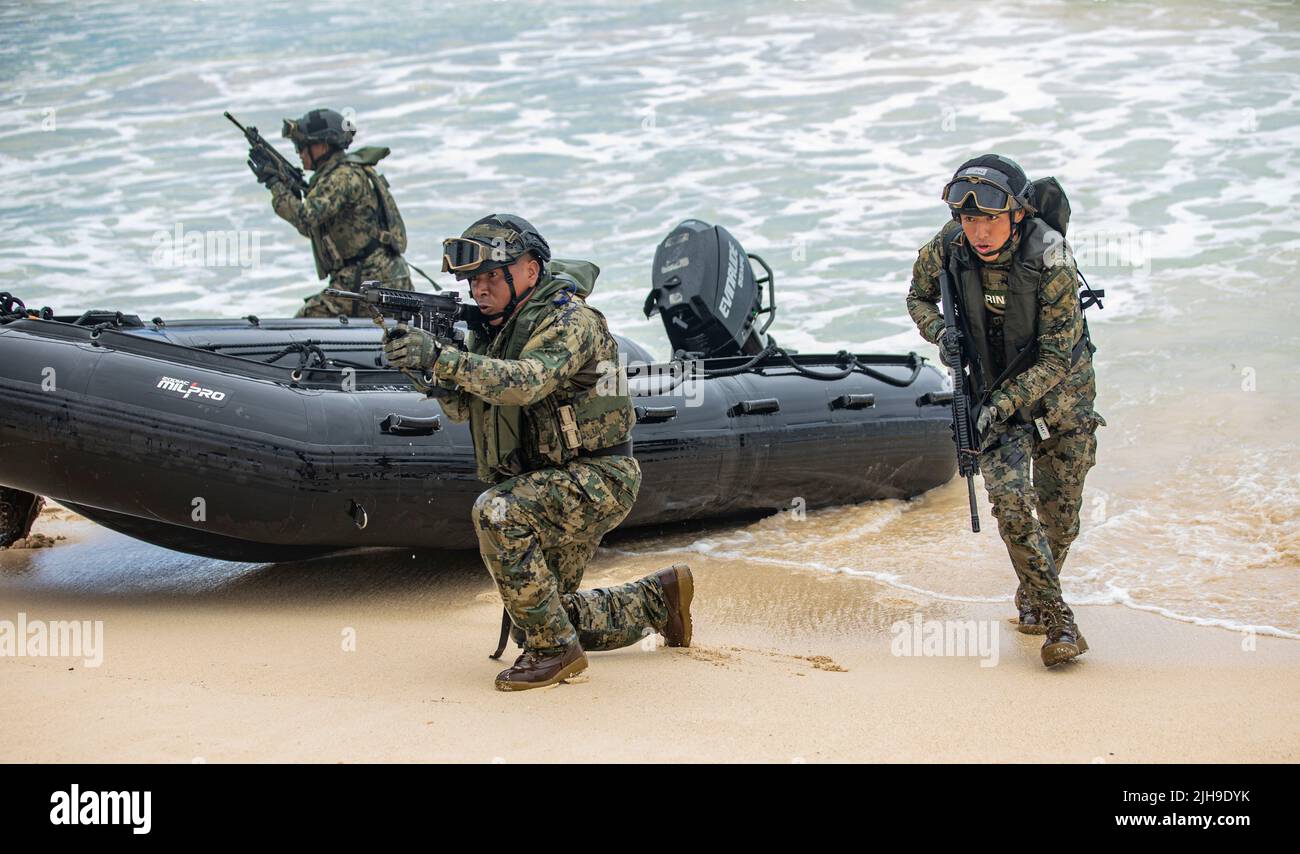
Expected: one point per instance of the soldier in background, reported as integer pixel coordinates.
(1029, 353)
(555, 442)
(348, 213)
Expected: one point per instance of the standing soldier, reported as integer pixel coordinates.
(1029, 357)
(556, 443)
(349, 214)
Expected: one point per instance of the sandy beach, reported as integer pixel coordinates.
(213, 662)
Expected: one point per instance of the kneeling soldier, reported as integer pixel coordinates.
(555, 444)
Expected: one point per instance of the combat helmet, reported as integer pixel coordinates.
(328, 126)
(495, 242)
(989, 184)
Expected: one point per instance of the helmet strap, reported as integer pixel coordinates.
(509, 310)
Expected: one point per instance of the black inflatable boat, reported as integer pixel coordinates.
(266, 440)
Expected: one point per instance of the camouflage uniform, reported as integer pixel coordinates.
(542, 520)
(1024, 473)
(341, 214)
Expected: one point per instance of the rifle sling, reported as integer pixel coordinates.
(505, 634)
(1075, 355)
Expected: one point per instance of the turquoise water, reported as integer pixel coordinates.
(820, 134)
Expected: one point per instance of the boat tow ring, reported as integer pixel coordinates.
(359, 515)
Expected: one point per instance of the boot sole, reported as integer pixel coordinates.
(685, 593)
(571, 669)
(1031, 630)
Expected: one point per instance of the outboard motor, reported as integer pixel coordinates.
(704, 288)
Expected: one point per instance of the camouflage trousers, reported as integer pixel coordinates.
(537, 532)
(1036, 488)
(380, 265)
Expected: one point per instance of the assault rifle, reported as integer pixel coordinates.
(963, 432)
(262, 153)
(436, 314)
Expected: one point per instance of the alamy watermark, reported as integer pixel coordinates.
(947, 638)
(73, 807)
(1093, 250)
(183, 247)
(24, 638)
(679, 378)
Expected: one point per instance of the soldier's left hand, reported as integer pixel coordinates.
(410, 348)
(950, 345)
(263, 168)
(987, 418)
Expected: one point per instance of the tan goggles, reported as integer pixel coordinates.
(460, 254)
(989, 197)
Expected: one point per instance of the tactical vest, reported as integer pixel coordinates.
(1020, 317)
(389, 231)
(582, 415)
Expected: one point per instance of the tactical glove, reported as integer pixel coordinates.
(411, 348)
(948, 343)
(263, 167)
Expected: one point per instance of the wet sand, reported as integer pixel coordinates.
(219, 662)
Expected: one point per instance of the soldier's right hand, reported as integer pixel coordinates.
(394, 333)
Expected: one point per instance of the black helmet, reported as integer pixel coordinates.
(494, 241)
(320, 126)
(989, 184)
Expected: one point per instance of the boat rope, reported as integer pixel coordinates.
(11, 307)
(848, 360)
(851, 365)
(309, 353)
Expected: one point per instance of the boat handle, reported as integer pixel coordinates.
(935, 398)
(655, 414)
(853, 401)
(360, 517)
(765, 406)
(409, 425)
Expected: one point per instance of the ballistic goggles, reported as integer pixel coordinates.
(291, 132)
(483, 248)
(984, 189)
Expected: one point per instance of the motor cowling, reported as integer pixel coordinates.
(704, 288)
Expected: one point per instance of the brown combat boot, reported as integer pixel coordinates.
(18, 512)
(1064, 640)
(1031, 621)
(535, 669)
(679, 589)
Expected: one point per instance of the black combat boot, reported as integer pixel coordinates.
(1064, 640)
(1030, 622)
(536, 669)
(679, 590)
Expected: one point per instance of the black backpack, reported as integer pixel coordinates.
(1054, 209)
